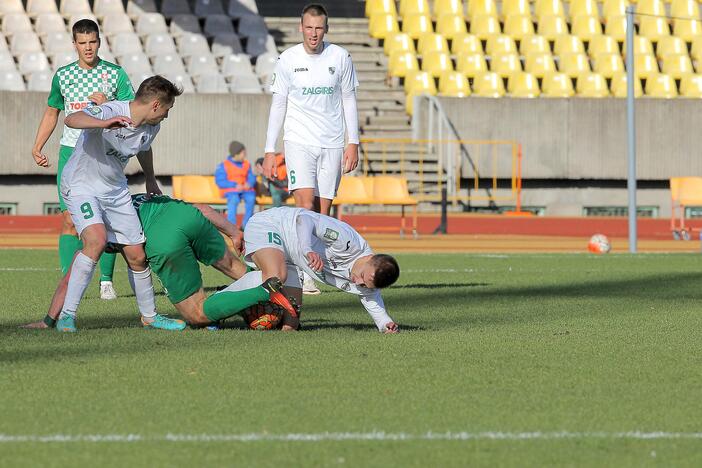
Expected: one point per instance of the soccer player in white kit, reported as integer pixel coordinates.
(314, 92)
(281, 240)
(94, 188)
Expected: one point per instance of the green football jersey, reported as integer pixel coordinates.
(72, 85)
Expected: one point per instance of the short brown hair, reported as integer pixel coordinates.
(315, 9)
(158, 87)
(386, 270)
(85, 26)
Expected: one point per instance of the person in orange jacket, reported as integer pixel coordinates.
(276, 188)
(236, 182)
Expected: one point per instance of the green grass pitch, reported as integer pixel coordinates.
(504, 360)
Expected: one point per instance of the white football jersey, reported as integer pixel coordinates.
(100, 156)
(314, 85)
(338, 244)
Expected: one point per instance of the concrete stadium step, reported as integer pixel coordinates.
(397, 127)
(395, 119)
(389, 134)
(379, 106)
(374, 95)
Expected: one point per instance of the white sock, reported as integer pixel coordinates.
(144, 291)
(81, 273)
(248, 281)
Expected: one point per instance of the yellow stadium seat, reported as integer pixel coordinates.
(548, 8)
(602, 45)
(505, 64)
(484, 26)
(615, 27)
(684, 9)
(519, 27)
(451, 26)
(392, 190)
(500, 44)
(488, 85)
(551, 27)
(677, 66)
(691, 86)
(645, 66)
(540, 64)
(431, 42)
(557, 85)
(650, 7)
(381, 25)
(410, 7)
(523, 85)
(608, 65)
(568, 45)
(352, 190)
(574, 64)
(619, 88)
(453, 84)
(418, 82)
(586, 27)
(402, 62)
(687, 30)
(380, 7)
(398, 42)
(583, 8)
(670, 45)
(661, 86)
(591, 85)
(417, 24)
(446, 7)
(515, 8)
(642, 45)
(653, 28)
(612, 8)
(197, 189)
(471, 64)
(466, 44)
(435, 63)
(696, 50)
(534, 45)
(481, 8)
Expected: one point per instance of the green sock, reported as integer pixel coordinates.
(227, 303)
(107, 266)
(68, 246)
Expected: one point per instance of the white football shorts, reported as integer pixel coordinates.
(314, 167)
(116, 213)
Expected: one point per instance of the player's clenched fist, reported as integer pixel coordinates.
(315, 261)
(40, 158)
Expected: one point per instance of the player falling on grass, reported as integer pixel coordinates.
(282, 240)
(179, 235)
(314, 94)
(94, 188)
(86, 82)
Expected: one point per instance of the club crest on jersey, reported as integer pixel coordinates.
(95, 110)
(332, 70)
(331, 234)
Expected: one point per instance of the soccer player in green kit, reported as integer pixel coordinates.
(76, 86)
(180, 235)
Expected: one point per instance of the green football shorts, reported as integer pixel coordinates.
(64, 153)
(175, 242)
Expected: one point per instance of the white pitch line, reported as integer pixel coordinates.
(351, 436)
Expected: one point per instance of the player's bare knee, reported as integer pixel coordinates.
(135, 257)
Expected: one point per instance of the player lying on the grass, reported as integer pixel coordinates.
(179, 235)
(281, 240)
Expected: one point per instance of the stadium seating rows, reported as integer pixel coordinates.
(548, 48)
(207, 46)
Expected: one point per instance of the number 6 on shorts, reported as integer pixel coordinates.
(87, 210)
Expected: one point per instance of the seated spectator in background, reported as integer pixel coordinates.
(277, 189)
(236, 181)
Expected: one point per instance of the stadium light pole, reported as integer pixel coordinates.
(631, 126)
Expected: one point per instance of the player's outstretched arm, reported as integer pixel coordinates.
(83, 121)
(46, 128)
(223, 225)
(146, 160)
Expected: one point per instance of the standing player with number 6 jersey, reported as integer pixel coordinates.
(314, 93)
(94, 188)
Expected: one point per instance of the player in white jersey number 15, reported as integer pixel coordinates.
(314, 94)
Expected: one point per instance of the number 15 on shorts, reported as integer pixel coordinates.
(274, 238)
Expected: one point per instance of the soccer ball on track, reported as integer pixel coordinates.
(599, 244)
(263, 316)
